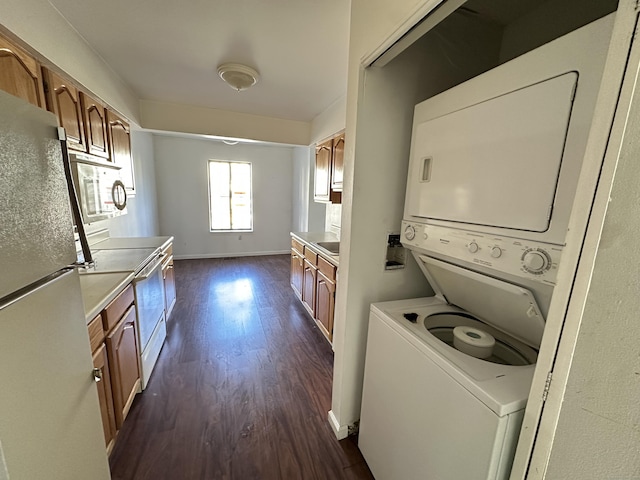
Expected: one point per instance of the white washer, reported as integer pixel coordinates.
(430, 410)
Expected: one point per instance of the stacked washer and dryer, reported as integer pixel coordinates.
(492, 178)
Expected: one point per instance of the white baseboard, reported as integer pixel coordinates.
(199, 256)
(341, 432)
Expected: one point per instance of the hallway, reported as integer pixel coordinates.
(242, 387)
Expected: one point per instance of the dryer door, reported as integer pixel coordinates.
(495, 163)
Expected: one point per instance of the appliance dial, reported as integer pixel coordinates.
(536, 261)
(496, 252)
(410, 232)
(473, 247)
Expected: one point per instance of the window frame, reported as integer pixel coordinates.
(230, 163)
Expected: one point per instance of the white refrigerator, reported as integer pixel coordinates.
(50, 423)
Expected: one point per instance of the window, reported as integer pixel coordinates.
(230, 202)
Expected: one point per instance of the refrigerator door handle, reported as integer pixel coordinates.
(73, 197)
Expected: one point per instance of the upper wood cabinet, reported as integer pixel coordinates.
(337, 164)
(329, 162)
(119, 136)
(63, 99)
(20, 73)
(95, 126)
(322, 188)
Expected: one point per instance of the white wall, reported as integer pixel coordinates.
(329, 122)
(209, 121)
(141, 219)
(181, 174)
(300, 190)
(375, 178)
(308, 216)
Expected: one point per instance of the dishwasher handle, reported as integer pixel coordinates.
(150, 269)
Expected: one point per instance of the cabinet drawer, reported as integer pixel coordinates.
(96, 333)
(327, 268)
(114, 311)
(310, 255)
(296, 245)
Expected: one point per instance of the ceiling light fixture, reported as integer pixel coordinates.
(239, 77)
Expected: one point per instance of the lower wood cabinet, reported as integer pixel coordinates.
(102, 377)
(122, 350)
(103, 382)
(114, 344)
(309, 286)
(325, 297)
(313, 280)
(297, 267)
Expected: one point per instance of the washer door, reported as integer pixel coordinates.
(510, 308)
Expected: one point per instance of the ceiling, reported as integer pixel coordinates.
(169, 50)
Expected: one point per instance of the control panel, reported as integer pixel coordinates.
(524, 258)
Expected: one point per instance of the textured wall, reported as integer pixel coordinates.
(598, 431)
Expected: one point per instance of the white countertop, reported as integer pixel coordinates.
(119, 260)
(116, 243)
(99, 289)
(312, 238)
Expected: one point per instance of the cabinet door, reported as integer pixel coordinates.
(63, 99)
(95, 125)
(337, 165)
(20, 73)
(325, 301)
(309, 287)
(119, 136)
(122, 351)
(322, 183)
(103, 383)
(169, 287)
(297, 272)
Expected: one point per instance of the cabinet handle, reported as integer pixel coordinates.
(128, 326)
(97, 375)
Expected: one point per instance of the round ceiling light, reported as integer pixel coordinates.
(239, 77)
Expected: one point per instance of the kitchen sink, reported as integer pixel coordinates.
(331, 247)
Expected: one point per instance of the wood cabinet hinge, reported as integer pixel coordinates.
(547, 386)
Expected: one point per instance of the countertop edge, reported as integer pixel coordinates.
(311, 238)
(113, 293)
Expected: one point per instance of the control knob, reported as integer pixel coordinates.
(536, 261)
(473, 247)
(410, 232)
(496, 252)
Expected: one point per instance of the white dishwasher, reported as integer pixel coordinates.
(148, 286)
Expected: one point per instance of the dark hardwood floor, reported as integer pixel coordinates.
(242, 386)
